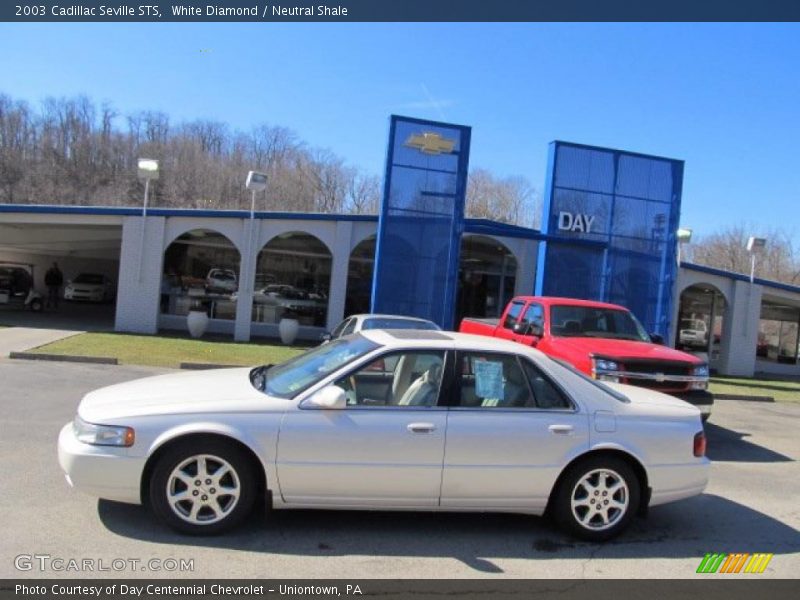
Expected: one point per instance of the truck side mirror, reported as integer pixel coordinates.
(657, 338)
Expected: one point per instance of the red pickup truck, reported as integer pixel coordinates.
(604, 341)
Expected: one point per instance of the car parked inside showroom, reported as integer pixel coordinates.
(94, 287)
(361, 423)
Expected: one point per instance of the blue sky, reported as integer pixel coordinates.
(723, 97)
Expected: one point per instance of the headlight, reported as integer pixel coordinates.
(600, 368)
(102, 435)
(700, 372)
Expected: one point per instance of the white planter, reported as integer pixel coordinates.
(287, 329)
(197, 322)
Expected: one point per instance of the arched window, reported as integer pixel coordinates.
(293, 278)
(359, 277)
(701, 317)
(487, 277)
(201, 271)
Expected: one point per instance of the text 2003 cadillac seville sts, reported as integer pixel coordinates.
(389, 419)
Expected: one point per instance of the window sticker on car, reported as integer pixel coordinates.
(488, 379)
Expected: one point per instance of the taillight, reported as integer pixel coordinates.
(700, 444)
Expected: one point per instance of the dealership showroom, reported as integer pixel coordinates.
(249, 273)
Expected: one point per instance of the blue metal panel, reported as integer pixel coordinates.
(629, 205)
(421, 220)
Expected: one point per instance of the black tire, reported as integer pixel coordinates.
(36, 305)
(219, 517)
(599, 526)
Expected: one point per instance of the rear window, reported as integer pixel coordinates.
(598, 384)
(383, 323)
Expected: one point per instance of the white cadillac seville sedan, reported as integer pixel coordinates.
(394, 420)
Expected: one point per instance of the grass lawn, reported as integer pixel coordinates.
(780, 390)
(165, 351)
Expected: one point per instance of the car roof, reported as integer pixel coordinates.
(451, 339)
(385, 316)
(562, 301)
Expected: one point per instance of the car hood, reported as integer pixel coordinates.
(653, 403)
(621, 349)
(211, 391)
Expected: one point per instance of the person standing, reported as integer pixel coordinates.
(53, 279)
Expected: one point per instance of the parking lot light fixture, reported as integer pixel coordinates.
(256, 182)
(684, 236)
(755, 245)
(148, 171)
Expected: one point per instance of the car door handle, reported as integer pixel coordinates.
(560, 429)
(421, 427)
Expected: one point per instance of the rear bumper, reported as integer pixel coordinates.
(702, 399)
(676, 482)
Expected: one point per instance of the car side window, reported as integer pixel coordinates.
(545, 394)
(513, 314)
(493, 380)
(411, 378)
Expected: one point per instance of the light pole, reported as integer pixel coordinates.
(256, 182)
(755, 245)
(684, 236)
(147, 170)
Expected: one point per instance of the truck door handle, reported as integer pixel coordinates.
(560, 429)
(421, 427)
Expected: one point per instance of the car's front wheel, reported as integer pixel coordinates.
(597, 498)
(203, 487)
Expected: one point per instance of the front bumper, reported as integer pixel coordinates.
(100, 471)
(92, 296)
(702, 399)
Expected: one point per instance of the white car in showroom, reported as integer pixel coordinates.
(394, 420)
(93, 287)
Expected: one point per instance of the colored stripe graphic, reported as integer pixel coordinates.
(737, 562)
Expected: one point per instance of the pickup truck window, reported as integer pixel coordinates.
(512, 316)
(587, 321)
(534, 313)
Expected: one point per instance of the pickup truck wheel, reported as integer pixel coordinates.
(597, 498)
(203, 489)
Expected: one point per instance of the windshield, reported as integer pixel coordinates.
(89, 278)
(298, 374)
(588, 321)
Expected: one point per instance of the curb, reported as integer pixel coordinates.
(97, 360)
(741, 397)
(203, 366)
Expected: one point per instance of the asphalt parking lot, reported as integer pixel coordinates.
(751, 505)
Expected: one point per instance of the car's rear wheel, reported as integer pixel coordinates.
(597, 498)
(203, 487)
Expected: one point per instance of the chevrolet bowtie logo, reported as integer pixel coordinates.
(430, 143)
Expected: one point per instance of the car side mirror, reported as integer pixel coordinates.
(325, 337)
(537, 329)
(657, 338)
(331, 397)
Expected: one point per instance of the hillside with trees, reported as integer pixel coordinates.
(74, 151)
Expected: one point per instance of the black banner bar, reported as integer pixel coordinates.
(155, 11)
(740, 587)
